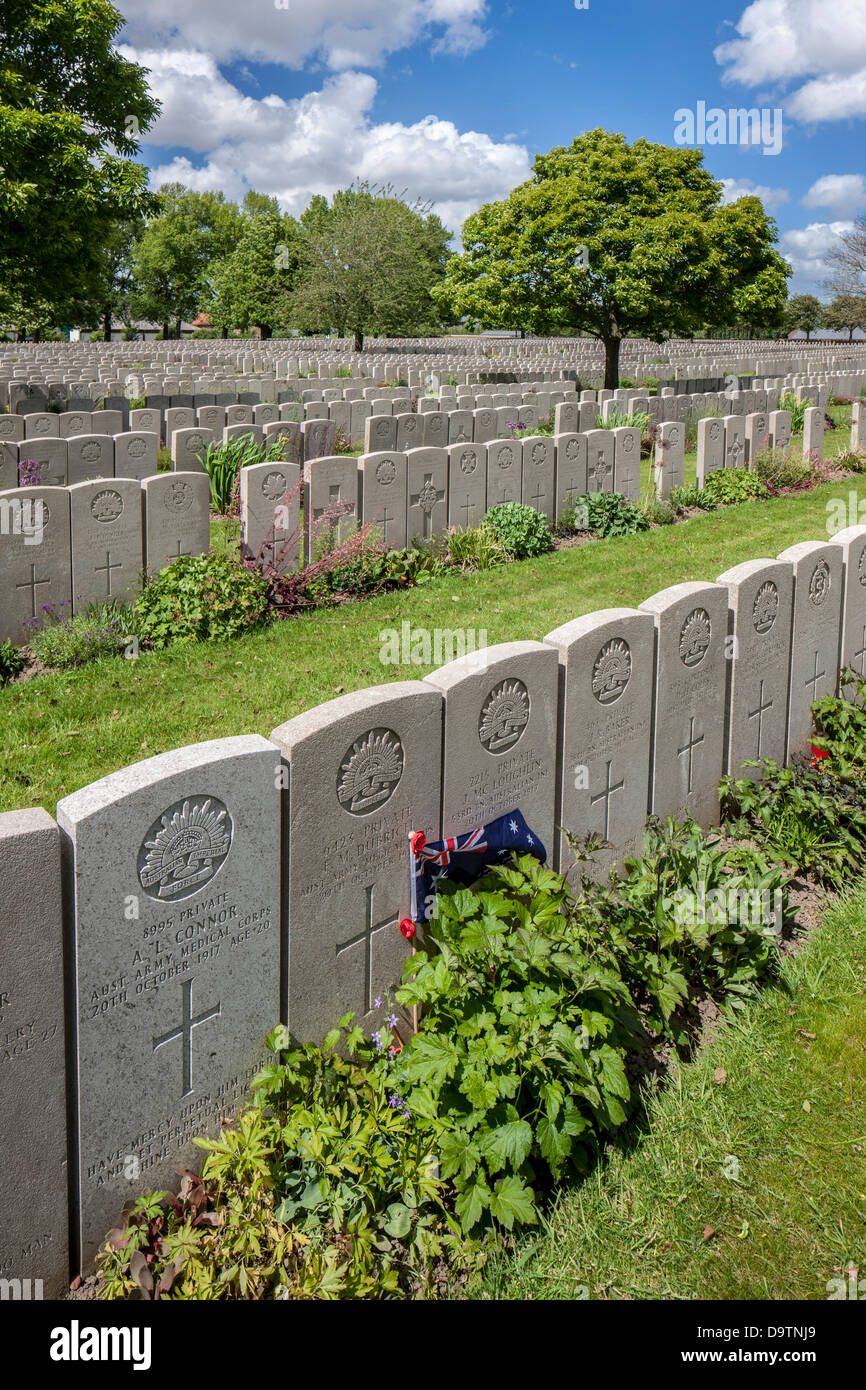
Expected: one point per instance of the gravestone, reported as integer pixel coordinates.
(813, 432)
(35, 559)
(760, 602)
(8, 465)
(607, 669)
(74, 422)
(427, 491)
(11, 428)
(89, 456)
(146, 421)
(626, 461)
(484, 427)
(270, 514)
(331, 483)
(689, 722)
(265, 413)
(34, 1224)
(176, 518)
(212, 417)
(500, 737)
(566, 417)
(460, 425)
(436, 429)
(384, 496)
(852, 542)
(106, 422)
(178, 418)
(188, 448)
(106, 528)
(711, 448)
(757, 436)
(380, 434)
(735, 441)
(320, 439)
(41, 425)
(780, 429)
(410, 431)
(358, 416)
(239, 415)
(245, 434)
(364, 772)
(136, 455)
(467, 484)
(815, 636)
(669, 463)
(858, 426)
(50, 454)
(571, 454)
(504, 470)
(538, 477)
(171, 1011)
(599, 460)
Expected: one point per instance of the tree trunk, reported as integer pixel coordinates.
(611, 363)
(165, 331)
(265, 331)
(359, 340)
(225, 332)
(106, 326)
(177, 323)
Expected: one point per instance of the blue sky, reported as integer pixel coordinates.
(452, 98)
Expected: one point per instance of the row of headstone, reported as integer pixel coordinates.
(210, 891)
(63, 548)
(80, 458)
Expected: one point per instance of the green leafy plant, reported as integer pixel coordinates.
(801, 815)
(520, 1066)
(797, 409)
(523, 531)
(475, 548)
(657, 510)
(11, 662)
(201, 598)
(619, 419)
(727, 486)
(691, 495)
(611, 514)
(840, 724)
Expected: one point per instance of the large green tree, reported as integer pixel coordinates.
(846, 312)
(253, 282)
(71, 114)
(175, 259)
(804, 311)
(368, 262)
(617, 240)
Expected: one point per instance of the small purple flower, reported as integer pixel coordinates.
(377, 1039)
(377, 1002)
(392, 1020)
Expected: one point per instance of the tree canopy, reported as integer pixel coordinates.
(804, 311)
(846, 312)
(72, 110)
(613, 239)
(252, 284)
(176, 256)
(367, 262)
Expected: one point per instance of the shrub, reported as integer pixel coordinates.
(657, 510)
(618, 419)
(610, 514)
(325, 1189)
(849, 459)
(805, 817)
(728, 486)
(73, 639)
(521, 1062)
(201, 598)
(788, 401)
(11, 662)
(780, 470)
(840, 725)
(522, 531)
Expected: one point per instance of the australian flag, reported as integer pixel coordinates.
(464, 858)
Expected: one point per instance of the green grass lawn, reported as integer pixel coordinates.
(748, 1178)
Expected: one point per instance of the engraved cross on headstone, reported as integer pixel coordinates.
(759, 715)
(32, 584)
(106, 570)
(858, 656)
(605, 796)
(690, 747)
(178, 553)
(466, 507)
(184, 1033)
(426, 498)
(814, 678)
(538, 497)
(370, 930)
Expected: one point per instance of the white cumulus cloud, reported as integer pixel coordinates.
(784, 41)
(341, 33)
(843, 194)
(316, 143)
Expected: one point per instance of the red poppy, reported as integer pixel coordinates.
(407, 927)
(417, 841)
